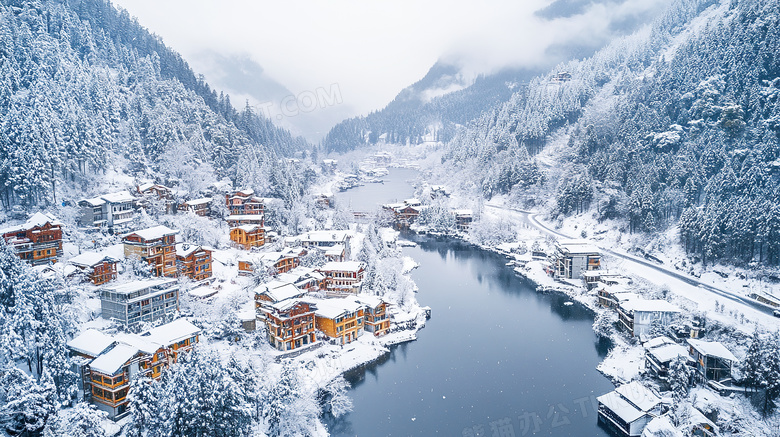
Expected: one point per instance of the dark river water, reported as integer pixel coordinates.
(496, 358)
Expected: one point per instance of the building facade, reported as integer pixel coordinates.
(38, 241)
(99, 268)
(193, 261)
(156, 246)
(146, 300)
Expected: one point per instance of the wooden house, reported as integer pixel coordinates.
(113, 211)
(248, 236)
(244, 202)
(156, 190)
(659, 353)
(322, 239)
(194, 261)
(345, 276)
(282, 261)
(290, 323)
(611, 296)
(149, 300)
(156, 246)
(107, 365)
(713, 360)
(37, 241)
(629, 408)
(375, 316)
(340, 318)
(200, 207)
(598, 278)
(99, 268)
(304, 278)
(276, 291)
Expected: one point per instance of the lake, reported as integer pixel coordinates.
(495, 357)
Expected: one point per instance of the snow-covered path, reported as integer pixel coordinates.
(702, 293)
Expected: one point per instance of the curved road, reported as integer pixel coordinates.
(531, 219)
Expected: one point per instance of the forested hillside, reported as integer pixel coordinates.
(432, 106)
(677, 124)
(84, 89)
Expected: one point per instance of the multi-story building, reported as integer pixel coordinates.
(146, 300)
(282, 261)
(574, 257)
(322, 240)
(463, 219)
(340, 318)
(713, 360)
(194, 261)
(248, 236)
(114, 211)
(108, 364)
(99, 268)
(629, 408)
(276, 291)
(244, 202)
(344, 276)
(637, 315)
(290, 323)
(156, 246)
(375, 315)
(37, 241)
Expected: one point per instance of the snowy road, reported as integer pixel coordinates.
(530, 218)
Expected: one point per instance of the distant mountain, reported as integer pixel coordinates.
(678, 124)
(428, 109)
(85, 89)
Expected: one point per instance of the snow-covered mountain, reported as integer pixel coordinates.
(675, 124)
(85, 90)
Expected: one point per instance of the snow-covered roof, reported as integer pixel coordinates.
(639, 395)
(134, 286)
(622, 408)
(173, 332)
(90, 259)
(249, 228)
(658, 341)
(146, 186)
(624, 296)
(94, 201)
(142, 344)
(278, 291)
(668, 352)
(113, 360)
(202, 292)
(118, 197)
(650, 306)
(201, 201)
(332, 308)
(578, 247)
(661, 427)
(369, 300)
(187, 249)
(342, 266)
(154, 232)
(35, 220)
(91, 342)
(712, 349)
(286, 304)
(463, 212)
(332, 236)
(335, 250)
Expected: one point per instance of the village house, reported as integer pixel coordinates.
(193, 261)
(37, 241)
(335, 253)
(290, 323)
(151, 193)
(629, 408)
(323, 240)
(156, 246)
(113, 211)
(574, 257)
(248, 236)
(147, 300)
(200, 207)
(713, 361)
(99, 268)
(375, 316)
(107, 365)
(305, 278)
(611, 296)
(636, 315)
(340, 318)
(659, 353)
(329, 165)
(276, 291)
(405, 213)
(345, 276)
(282, 261)
(463, 219)
(323, 200)
(599, 278)
(439, 191)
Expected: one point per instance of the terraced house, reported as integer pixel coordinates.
(107, 364)
(156, 246)
(37, 241)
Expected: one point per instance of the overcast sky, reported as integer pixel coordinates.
(373, 49)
